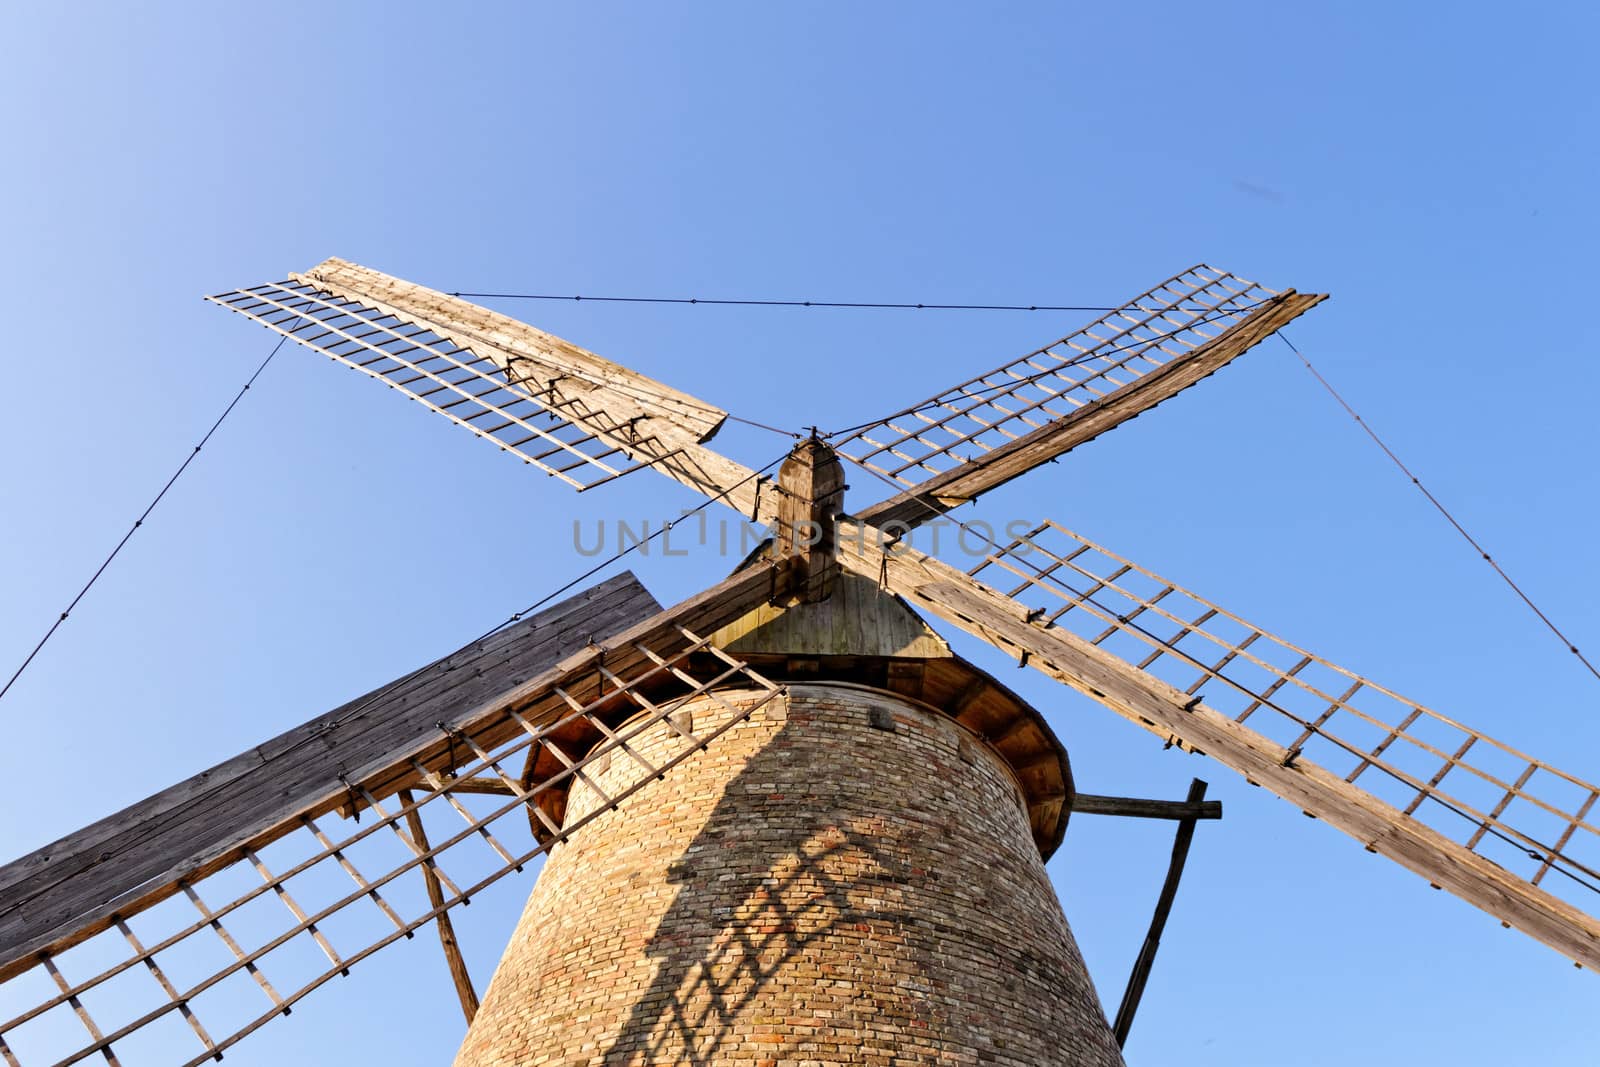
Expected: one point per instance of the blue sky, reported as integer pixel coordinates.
(1433, 170)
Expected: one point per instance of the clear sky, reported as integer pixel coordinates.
(1432, 167)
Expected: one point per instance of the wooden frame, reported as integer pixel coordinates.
(496, 377)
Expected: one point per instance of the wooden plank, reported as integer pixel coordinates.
(1123, 340)
(78, 881)
(858, 619)
(579, 675)
(1159, 707)
(419, 857)
(954, 487)
(1180, 305)
(1137, 808)
(489, 786)
(647, 421)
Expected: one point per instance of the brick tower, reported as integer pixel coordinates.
(852, 875)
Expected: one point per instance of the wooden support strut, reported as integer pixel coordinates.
(1158, 922)
(447, 931)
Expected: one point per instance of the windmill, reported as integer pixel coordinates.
(784, 821)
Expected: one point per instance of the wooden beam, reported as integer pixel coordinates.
(1132, 807)
(501, 336)
(956, 486)
(490, 786)
(1158, 922)
(811, 483)
(447, 931)
(1010, 730)
(976, 686)
(1172, 714)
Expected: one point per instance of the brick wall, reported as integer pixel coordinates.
(812, 889)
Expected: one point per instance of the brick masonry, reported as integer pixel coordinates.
(814, 888)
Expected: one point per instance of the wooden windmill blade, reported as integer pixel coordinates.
(234, 894)
(977, 435)
(1507, 832)
(573, 414)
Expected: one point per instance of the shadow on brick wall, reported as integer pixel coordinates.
(848, 947)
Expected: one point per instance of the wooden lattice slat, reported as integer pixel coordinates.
(525, 416)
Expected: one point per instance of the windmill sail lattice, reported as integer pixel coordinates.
(474, 391)
(1505, 831)
(574, 415)
(227, 936)
(1523, 813)
(974, 436)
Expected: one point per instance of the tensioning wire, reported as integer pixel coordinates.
(137, 523)
(784, 303)
(1450, 518)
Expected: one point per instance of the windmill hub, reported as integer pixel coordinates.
(811, 487)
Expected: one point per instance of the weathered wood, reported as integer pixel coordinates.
(1170, 713)
(1137, 808)
(413, 856)
(502, 336)
(968, 695)
(867, 635)
(488, 786)
(858, 619)
(811, 481)
(954, 487)
(447, 930)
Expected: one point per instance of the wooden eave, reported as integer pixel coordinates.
(996, 717)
